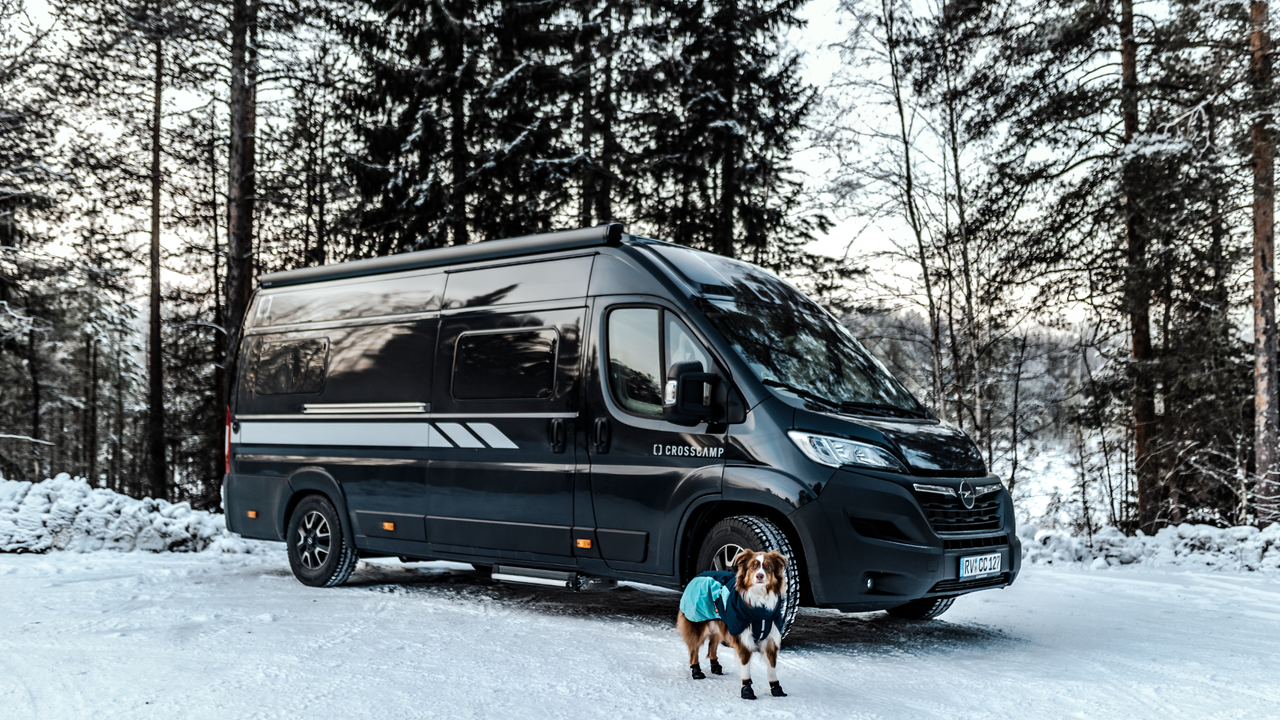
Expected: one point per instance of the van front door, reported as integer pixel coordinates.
(644, 471)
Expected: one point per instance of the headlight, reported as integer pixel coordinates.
(833, 451)
(984, 489)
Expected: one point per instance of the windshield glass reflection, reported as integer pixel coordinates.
(803, 352)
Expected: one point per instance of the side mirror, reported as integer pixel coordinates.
(687, 398)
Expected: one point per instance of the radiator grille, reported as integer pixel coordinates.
(948, 515)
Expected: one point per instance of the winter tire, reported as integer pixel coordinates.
(318, 553)
(749, 532)
(922, 609)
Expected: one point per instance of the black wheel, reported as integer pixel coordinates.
(922, 609)
(748, 532)
(318, 553)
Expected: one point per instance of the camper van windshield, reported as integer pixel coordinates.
(805, 353)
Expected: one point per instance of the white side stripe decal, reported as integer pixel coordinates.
(493, 436)
(373, 434)
(459, 435)
(358, 434)
(435, 439)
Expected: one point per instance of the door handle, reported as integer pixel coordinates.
(559, 436)
(601, 435)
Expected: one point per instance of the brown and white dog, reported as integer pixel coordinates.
(742, 609)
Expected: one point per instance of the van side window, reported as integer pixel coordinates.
(369, 298)
(516, 365)
(635, 360)
(291, 367)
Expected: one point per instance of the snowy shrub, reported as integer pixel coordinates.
(65, 513)
(1181, 546)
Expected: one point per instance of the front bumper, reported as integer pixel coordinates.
(871, 526)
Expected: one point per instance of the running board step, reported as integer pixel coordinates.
(533, 576)
(550, 578)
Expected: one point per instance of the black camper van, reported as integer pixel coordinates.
(589, 405)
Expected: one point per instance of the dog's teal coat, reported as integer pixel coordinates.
(712, 596)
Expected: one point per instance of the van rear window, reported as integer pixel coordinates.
(291, 367)
(515, 365)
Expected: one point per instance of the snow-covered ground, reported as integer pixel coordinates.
(221, 635)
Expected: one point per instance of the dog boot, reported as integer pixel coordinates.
(697, 672)
(775, 687)
(715, 667)
(747, 692)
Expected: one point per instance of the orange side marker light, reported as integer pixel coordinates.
(253, 514)
(389, 526)
(584, 543)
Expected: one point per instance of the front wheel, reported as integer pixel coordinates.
(749, 532)
(922, 609)
(318, 553)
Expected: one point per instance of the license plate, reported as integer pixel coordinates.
(979, 565)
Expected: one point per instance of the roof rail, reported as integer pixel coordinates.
(610, 234)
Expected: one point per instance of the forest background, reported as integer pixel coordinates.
(1052, 219)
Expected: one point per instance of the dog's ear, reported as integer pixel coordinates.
(742, 558)
(776, 557)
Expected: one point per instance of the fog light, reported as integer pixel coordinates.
(871, 583)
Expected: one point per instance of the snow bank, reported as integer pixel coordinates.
(65, 513)
(1199, 547)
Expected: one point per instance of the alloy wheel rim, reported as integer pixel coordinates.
(314, 540)
(723, 559)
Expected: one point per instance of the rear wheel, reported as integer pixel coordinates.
(318, 553)
(922, 609)
(749, 532)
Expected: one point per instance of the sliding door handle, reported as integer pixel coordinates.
(559, 436)
(600, 434)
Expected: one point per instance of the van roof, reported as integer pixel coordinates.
(610, 234)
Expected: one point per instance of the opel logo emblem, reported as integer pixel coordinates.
(966, 494)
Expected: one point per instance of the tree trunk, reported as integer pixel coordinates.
(157, 472)
(218, 351)
(729, 160)
(119, 484)
(1264, 283)
(1136, 290)
(460, 159)
(1014, 419)
(974, 369)
(322, 189)
(91, 415)
(606, 128)
(33, 372)
(913, 216)
(586, 108)
(240, 172)
(309, 189)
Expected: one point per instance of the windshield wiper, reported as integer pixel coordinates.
(807, 394)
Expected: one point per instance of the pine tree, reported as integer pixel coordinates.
(415, 121)
(29, 193)
(723, 130)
